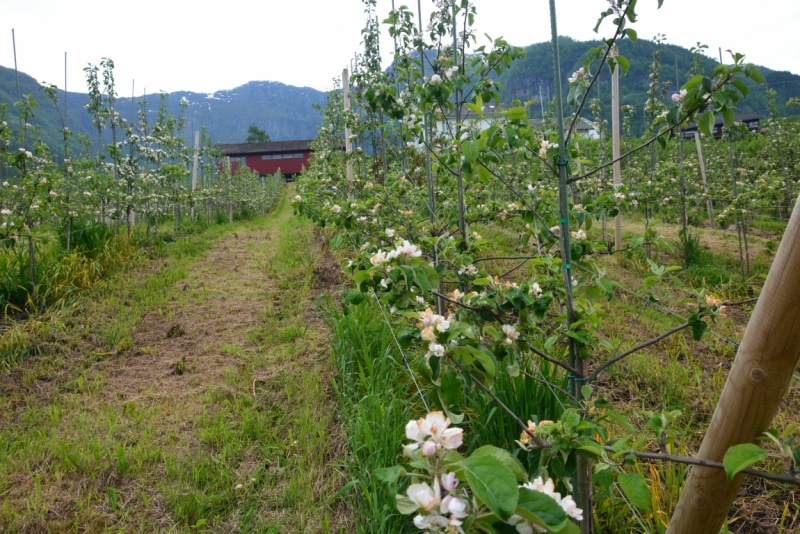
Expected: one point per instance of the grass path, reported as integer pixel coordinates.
(190, 395)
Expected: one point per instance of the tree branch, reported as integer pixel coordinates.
(788, 479)
(637, 348)
(625, 155)
(576, 116)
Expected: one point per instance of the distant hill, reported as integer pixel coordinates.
(285, 112)
(525, 77)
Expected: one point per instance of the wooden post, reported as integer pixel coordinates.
(757, 382)
(348, 144)
(230, 186)
(194, 166)
(709, 203)
(31, 260)
(616, 146)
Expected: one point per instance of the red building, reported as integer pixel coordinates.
(290, 157)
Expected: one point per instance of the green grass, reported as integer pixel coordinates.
(246, 443)
(376, 400)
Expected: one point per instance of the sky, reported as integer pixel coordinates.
(207, 45)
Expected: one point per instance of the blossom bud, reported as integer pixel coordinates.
(429, 448)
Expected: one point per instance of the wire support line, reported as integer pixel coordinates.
(632, 508)
(665, 310)
(402, 353)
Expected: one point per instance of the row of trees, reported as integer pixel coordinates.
(420, 186)
(146, 175)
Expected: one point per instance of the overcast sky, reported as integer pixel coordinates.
(207, 45)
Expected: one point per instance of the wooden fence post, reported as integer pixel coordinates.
(757, 382)
(348, 143)
(709, 202)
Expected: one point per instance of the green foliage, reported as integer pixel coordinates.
(741, 457)
(709, 275)
(256, 135)
(377, 399)
(522, 80)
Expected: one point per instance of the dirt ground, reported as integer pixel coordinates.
(237, 338)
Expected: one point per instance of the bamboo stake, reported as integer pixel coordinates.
(709, 202)
(194, 166)
(583, 481)
(462, 208)
(68, 223)
(426, 128)
(616, 147)
(757, 382)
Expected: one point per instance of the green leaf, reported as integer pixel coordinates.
(422, 280)
(484, 358)
(741, 457)
(632, 35)
(347, 487)
(405, 505)
(505, 457)
(591, 448)
(360, 276)
(518, 113)
(635, 489)
(483, 174)
(455, 418)
(475, 108)
(389, 475)
(542, 510)
(624, 64)
(741, 86)
(451, 391)
(694, 80)
(603, 476)
(482, 282)
(707, 123)
(470, 150)
(754, 74)
(698, 325)
(728, 115)
(493, 483)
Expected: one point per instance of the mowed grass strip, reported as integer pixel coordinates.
(225, 427)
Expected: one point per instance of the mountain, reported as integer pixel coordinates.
(528, 76)
(285, 112)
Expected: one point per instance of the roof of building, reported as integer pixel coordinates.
(583, 125)
(468, 115)
(273, 147)
(744, 117)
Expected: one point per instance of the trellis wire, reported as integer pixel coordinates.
(633, 510)
(666, 310)
(405, 359)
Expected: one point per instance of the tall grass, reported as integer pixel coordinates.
(529, 399)
(376, 400)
